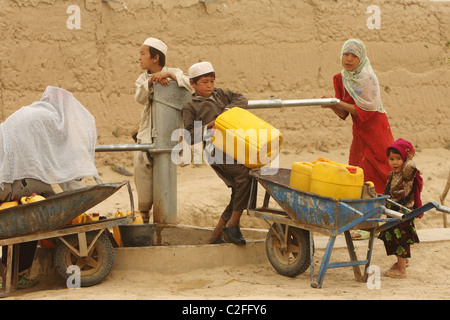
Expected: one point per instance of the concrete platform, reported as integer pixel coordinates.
(177, 249)
(185, 258)
(182, 258)
(181, 248)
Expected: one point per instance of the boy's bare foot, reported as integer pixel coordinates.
(395, 266)
(398, 274)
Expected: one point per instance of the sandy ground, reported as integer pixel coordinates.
(428, 278)
(428, 275)
(284, 49)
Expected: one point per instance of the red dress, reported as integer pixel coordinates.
(371, 137)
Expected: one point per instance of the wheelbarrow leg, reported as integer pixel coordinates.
(353, 257)
(311, 257)
(11, 274)
(324, 265)
(8, 271)
(15, 267)
(369, 254)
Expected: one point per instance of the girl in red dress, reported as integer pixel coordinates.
(357, 88)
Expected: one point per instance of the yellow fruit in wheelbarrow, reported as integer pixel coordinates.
(33, 198)
(116, 231)
(9, 204)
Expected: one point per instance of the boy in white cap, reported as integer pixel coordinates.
(152, 59)
(206, 105)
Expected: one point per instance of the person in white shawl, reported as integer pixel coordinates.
(51, 141)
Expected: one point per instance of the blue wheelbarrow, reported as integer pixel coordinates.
(289, 242)
(87, 245)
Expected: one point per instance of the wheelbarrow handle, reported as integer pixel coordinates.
(394, 214)
(414, 213)
(401, 216)
(401, 207)
(443, 208)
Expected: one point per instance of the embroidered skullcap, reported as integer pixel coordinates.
(200, 69)
(157, 44)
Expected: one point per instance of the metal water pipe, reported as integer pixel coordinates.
(165, 109)
(277, 103)
(166, 117)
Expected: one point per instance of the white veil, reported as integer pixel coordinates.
(361, 83)
(52, 140)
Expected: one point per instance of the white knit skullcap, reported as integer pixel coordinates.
(200, 69)
(157, 44)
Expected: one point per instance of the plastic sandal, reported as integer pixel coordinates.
(218, 241)
(360, 235)
(233, 234)
(25, 283)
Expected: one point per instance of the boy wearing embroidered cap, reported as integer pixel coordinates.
(152, 59)
(206, 105)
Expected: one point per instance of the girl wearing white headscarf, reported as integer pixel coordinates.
(357, 88)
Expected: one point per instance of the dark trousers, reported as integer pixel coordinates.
(236, 176)
(26, 255)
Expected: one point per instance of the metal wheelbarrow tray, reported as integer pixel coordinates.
(289, 242)
(53, 212)
(84, 245)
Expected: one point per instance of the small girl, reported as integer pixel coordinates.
(404, 185)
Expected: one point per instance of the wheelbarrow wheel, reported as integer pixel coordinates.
(289, 254)
(94, 268)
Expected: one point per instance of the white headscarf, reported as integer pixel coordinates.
(361, 83)
(52, 140)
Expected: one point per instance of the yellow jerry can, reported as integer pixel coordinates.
(335, 180)
(301, 175)
(247, 138)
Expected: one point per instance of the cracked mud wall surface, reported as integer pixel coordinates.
(286, 49)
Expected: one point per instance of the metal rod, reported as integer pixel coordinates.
(252, 104)
(400, 207)
(124, 147)
(394, 214)
(277, 103)
(134, 147)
